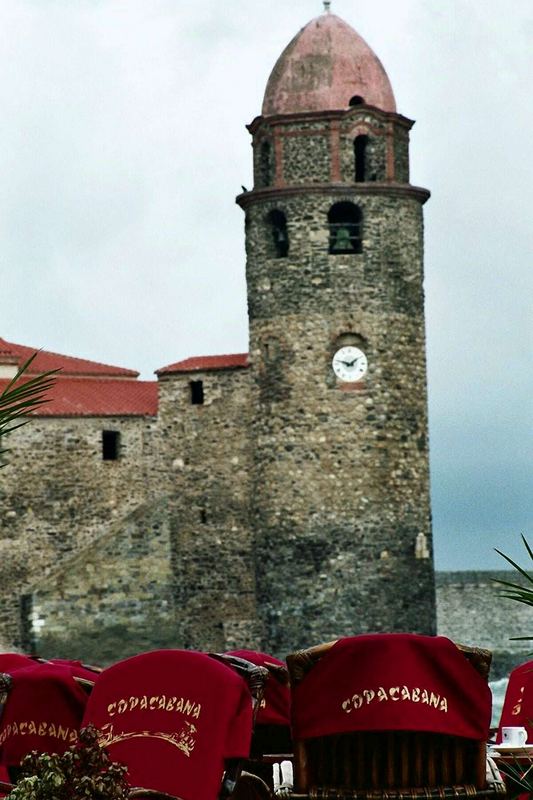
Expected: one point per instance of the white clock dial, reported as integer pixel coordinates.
(349, 364)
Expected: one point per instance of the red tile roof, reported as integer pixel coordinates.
(197, 363)
(94, 397)
(68, 364)
(84, 388)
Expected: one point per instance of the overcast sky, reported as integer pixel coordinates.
(123, 145)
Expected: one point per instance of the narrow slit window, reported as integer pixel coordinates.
(359, 146)
(277, 224)
(203, 516)
(110, 445)
(197, 393)
(265, 164)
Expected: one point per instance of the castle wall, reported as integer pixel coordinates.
(204, 463)
(57, 494)
(119, 600)
(471, 610)
(112, 600)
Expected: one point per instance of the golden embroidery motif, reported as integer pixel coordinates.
(32, 728)
(395, 694)
(184, 739)
(155, 703)
(517, 708)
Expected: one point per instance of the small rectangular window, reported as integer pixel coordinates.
(110, 445)
(197, 393)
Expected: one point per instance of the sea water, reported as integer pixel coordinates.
(498, 693)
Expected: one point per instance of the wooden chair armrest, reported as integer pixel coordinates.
(478, 657)
(85, 684)
(250, 787)
(5, 686)
(254, 675)
(302, 661)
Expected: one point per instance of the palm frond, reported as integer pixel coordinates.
(516, 566)
(518, 599)
(515, 586)
(528, 548)
(20, 399)
(520, 774)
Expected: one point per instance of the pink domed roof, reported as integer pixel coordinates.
(322, 68)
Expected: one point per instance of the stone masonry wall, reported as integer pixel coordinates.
(283, 510)
(204, 464)
(179, 570)
(321, 149)
(116, 598)
(470, 610)
(57, 494)
(306, 158)
(341, 484)
(111, 600)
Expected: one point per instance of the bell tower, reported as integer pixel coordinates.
(334, 242)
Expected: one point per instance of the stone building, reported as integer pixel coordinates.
(272, 499)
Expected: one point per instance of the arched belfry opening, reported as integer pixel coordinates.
(345, 228)
(356, 100)
(360, 146)
(278, 235)
(266, 165)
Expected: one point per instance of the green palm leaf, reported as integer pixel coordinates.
(20, 398)
(518, 592)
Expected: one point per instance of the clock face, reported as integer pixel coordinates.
(349, 364)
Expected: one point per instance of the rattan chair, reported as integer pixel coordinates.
(391, 764)
(41, 708)
(271, 740)
(178, 720)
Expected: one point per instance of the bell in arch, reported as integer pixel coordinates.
(280, 236)
(342, 240)
(281, 241)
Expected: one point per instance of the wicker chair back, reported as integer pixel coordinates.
(392, 764)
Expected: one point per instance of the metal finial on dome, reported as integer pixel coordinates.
(327, 6)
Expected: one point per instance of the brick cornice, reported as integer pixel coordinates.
(314, 116)
(373, 189)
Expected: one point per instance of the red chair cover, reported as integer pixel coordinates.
(392, 682)
(12, 661)
(275, 706)
(518, 703)
(4, 778)
(43, 712)
(78, 669)
(173, 717)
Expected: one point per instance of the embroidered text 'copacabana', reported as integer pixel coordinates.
(32, 728)
(395, 694)
(155, 703)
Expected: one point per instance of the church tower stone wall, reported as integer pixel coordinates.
(334, 242)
